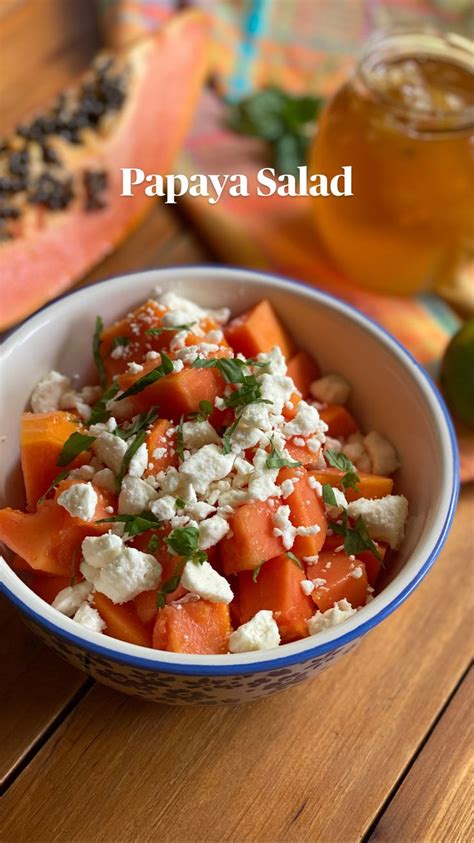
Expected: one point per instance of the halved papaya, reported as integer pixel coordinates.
(150, 93)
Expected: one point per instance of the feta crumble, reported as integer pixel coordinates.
(80, 500)
(259, 633)
(203, 580)
(384, 518)
(340, 612)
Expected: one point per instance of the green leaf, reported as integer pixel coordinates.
(153, 544)
(230, 368)
(261, 114)
(328, 495)
(180, 504)
(96, 344)
(356, 538)
(99, 411)
(276, 460)
(75, 445)
(127, 457)
(169, 586)
(290, 151)
(295, 559)
(226, 447)
(156, 332)
(256, 572)
(165, 368)
(142, 422)
(134, 524)
(179, 439)
(61, 476)
(184, 541)
(120, 341)
(339, 460)
(205, 410)
(248, 393)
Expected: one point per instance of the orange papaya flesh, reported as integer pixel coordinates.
(277, 588)
(42, 436)
(258, 330)
(130, 335)
(336, 569)
(253, 541)
(176, 394)
(306, 511)
(122, 621)
(49, 587)
(369, 486)
(167, 70)
(301, 453)
(157, 440)
(193, 627)
(303, 370)
(339, 421)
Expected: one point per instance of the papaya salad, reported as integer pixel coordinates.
(212, 494)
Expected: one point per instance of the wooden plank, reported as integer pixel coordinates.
(314, 763)
(35, 685)
(435, 800)
(48, 41)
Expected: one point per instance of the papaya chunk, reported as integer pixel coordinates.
(44, 539)
(195, 627)
(277, 587)
(258, 330)
(306, 511)
(303, 370)
(42, 436)
(301, 453)
(337, 569)
(369, 486)
(48, 587)
(121, 621)
(339, 421)
(176, 394)
(156, 441)
(131, 335)
(253, 541)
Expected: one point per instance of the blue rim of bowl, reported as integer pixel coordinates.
(319, 650)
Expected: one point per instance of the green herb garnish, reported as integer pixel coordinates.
(128, 455)
(257, 571)
(99, 411)
(226, 447)
(356, 538)
(295, 559)
(141, 423)
(205, 410)
(96, 344)
(153, 544)
(180, 504)
(184, 541)
(231, 369)
(179, 439)
(120, 341)
(156, 332)
(286, 122)
(328, 495)
(61, 476)
(169, 586)
(165, 368)
(134, 524)
(75, 445)
(339, 460)
(248, 393)
(276, 460)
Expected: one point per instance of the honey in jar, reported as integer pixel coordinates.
(405, 123)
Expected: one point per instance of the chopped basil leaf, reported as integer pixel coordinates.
(205, 410)
(120, 341)
(96, 343)
(295, 559)
(61, 476)
(169, 586)
(276, 460)
(356, 538)
(153, 543)
(134, 524)
(339, 460)
(256, 572)
(127, 457)
(180, 504)
(156, 332)
(328, 495)
(231, 369)
(249, 393)
(165, 368)
(99, 411)
(226, 448)
(75, 445)
(184, 541)
(179, 439)
(142, 422)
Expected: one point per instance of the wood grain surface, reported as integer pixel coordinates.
(376, 748)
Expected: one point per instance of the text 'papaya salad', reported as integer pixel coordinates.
(213, 494)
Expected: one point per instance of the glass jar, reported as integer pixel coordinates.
(405, 122)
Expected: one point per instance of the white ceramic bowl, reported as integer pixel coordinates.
(392, 394)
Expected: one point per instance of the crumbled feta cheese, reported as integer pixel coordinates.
(215, 336)
(196, 434)
(206, 465)
(100, 550)
(206, 582)
(384, 517)
(134, 368)
(183, 311)
(288, 486)
(126, 576)
(355, 451)
(277, 389)
(305, 423)
(89, 617)
(276, 363)
(135, 496)
(72, 400)
(178, 366)
(341, 503)
(69, 599)
(118, 352)
(262, 482)
(283, 526)
(331, 389)
(84, 472)
(159, 453)
(80, 500)
(139, 461)
(259, 633)
(212, 531)
(110, 450)
(105, 478)
(316, 485)
(340, 612)
(382, 454)
(307, 586)
(48, 391)
(164, 508)
(357, 573)
(152, 355)
(199, 510)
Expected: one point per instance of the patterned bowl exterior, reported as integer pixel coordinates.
(179, 689)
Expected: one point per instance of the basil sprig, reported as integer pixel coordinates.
(339, 460)
(165, 368)
(75, 445)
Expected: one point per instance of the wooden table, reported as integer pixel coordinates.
(377, 748)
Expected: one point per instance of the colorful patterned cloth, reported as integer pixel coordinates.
(301, 45)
